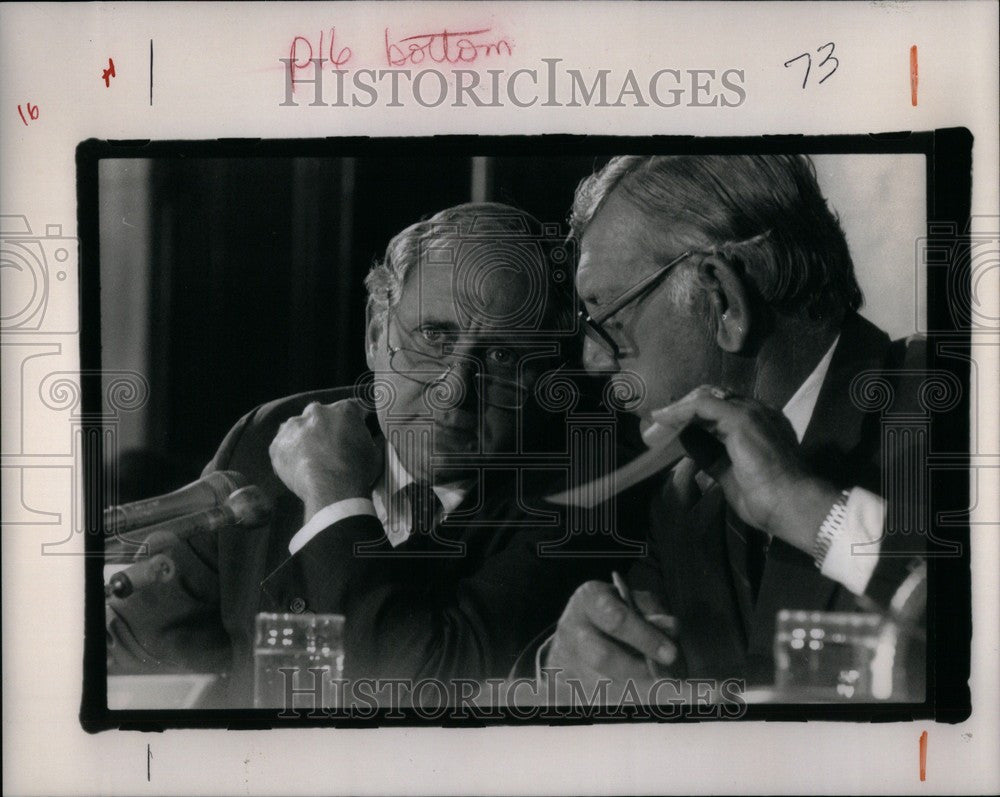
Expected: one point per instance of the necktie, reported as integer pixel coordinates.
(424, 507)
(747, 545)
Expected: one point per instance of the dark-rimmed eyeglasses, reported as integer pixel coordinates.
(593, 325)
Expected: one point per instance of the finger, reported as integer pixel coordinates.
(657, 434)
(648, 602)
(667, 623)
(704, 403)
(279, 437)
(609, 614)
(349, 405)
(594, 653)
(706, 423)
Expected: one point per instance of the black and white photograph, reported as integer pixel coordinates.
(529, 397)
(592, 437)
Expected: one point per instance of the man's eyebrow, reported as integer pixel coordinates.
(439, 323)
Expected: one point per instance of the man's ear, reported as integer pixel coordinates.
(729, 301)
(375, 321)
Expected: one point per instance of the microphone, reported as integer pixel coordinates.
(209, 491)
(156, 570)
(246, 507)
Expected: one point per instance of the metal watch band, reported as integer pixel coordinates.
(831, 526)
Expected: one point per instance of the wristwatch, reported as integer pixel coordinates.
(832, 525)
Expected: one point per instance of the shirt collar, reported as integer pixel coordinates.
(800, 406)
(450, 495)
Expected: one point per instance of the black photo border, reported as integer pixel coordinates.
(948, 155)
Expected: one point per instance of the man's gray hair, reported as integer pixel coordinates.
(797, 259)
(484, 220)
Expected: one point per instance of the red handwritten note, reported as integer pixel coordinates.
(32, 112)
(108, 73)
(445, 47)
(302, 49)
(301, 53)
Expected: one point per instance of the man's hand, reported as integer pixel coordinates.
(600, 637)
(326, 454)
(762, 474)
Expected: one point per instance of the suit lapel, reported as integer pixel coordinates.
(836, 423)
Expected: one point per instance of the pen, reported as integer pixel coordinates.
(626, 595)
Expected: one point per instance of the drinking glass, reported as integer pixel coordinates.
(831, 656)
(298, 660)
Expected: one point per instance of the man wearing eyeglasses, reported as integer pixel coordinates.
(726, 286)
(400, 503)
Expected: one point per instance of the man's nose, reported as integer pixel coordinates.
(461, 376)
(597, 359)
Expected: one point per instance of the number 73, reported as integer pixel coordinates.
(829, 58)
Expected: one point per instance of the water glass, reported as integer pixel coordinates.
(298, 661)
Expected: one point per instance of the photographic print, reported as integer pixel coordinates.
(514, 397)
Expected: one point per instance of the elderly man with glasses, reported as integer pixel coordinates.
(725, 285)
(400, 503)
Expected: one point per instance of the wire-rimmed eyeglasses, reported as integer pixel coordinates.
(428, 357)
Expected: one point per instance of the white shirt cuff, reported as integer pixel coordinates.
(327, 516)
(864, 516)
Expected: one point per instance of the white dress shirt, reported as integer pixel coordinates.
(398, 527)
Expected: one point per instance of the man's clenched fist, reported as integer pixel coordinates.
(326, 454)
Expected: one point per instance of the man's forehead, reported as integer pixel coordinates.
(623, 243)
(476, 283)
(614, 247)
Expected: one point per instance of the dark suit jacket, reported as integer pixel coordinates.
(408, 614)
(697, 563)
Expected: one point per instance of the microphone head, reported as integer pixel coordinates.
(224, 482)
(250, 506)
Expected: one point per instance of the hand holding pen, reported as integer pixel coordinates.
(659, 619)
(608, 633)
